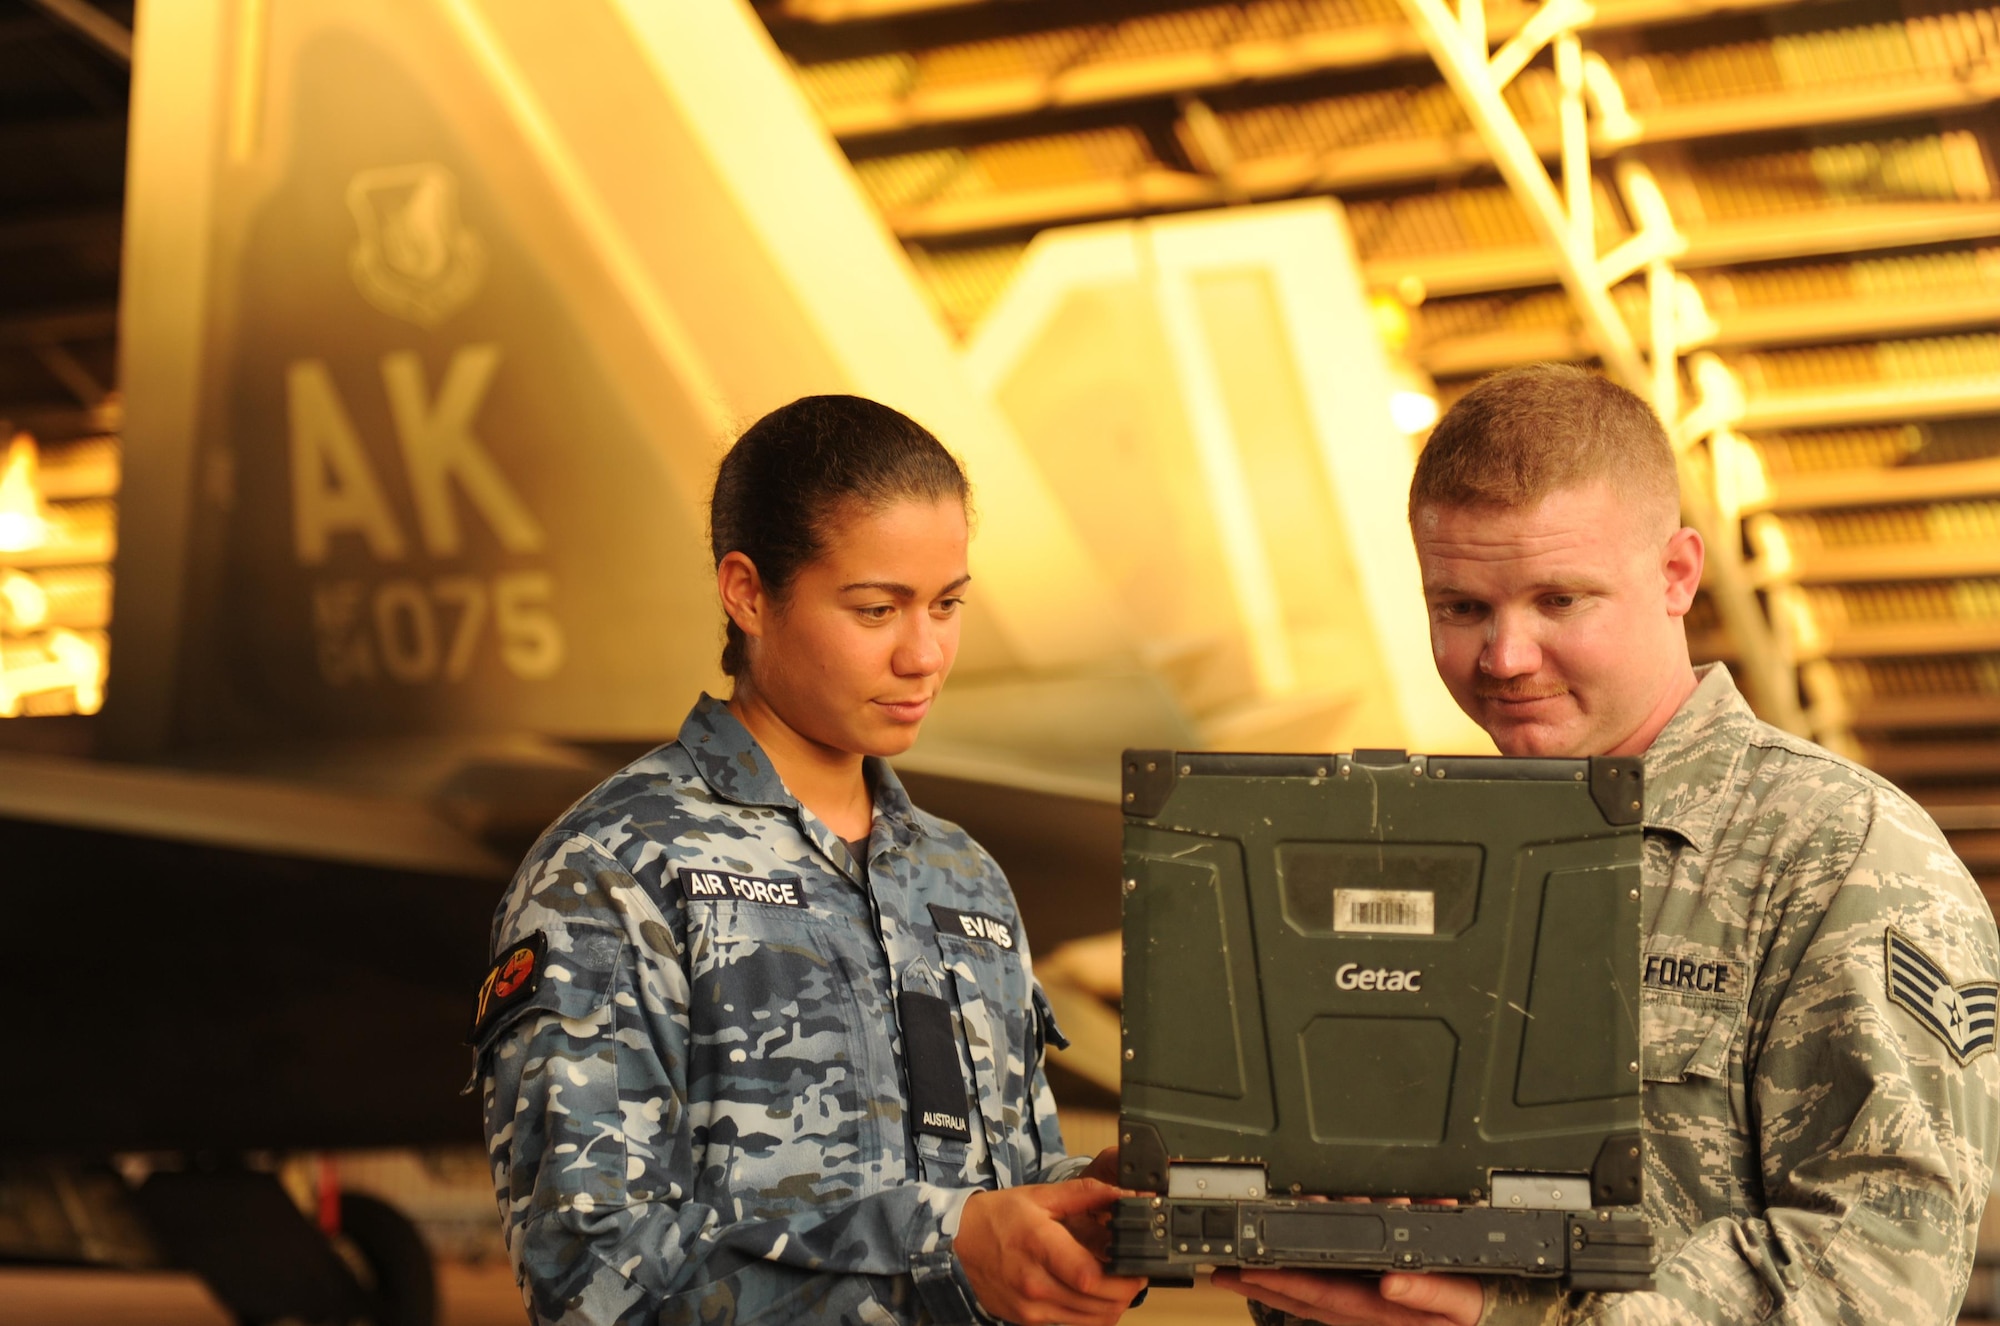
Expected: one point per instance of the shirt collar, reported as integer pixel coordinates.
(736, 769)
(892, 804)
(1689, 765)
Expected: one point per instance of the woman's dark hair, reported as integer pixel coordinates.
(782, 487)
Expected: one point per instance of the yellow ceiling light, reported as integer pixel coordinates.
(1413, 398)
(1392, 320)
(1413, 411)
(25, 602)
(68, 662)
(83, 662)
(23, 522)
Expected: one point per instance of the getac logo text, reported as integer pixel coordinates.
(1352, 976)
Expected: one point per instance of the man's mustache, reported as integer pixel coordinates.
(1524, 691)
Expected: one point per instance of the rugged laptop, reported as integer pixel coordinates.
(1382, 976)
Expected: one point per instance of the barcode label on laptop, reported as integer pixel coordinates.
(1384, 912)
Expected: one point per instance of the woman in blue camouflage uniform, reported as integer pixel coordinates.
(761, 1041)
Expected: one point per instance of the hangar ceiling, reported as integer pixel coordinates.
(63, 100)
(1833, 165)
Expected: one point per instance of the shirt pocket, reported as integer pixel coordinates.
(782, 1072)
(990, 989)
(944, 1161)
(1693, 1110)
(1686, 1039)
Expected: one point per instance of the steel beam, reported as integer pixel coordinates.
(92, 23)
(1566, 225)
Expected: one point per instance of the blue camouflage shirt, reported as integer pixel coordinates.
(701, 1036)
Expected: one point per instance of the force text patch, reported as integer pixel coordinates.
(1709, 976)
(972, 925)
(510, 982)
(1959, 1015)
(705, 885)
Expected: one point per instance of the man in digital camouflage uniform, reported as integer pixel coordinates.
(1818, 1000)
(687, 920)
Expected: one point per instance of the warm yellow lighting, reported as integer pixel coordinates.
(1392, 320)
(1211, 394)
(23, 524)
(72, 663)
(1774, 549)
(1413, 411)
(26, 603)
(84, 662)
(1796, 612)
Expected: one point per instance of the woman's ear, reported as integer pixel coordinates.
(742, 592)
(1681, 563)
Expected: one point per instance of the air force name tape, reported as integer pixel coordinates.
(972, 925)
(1709, 976)
(509, 983)
(1960, 1015)
(706, 885)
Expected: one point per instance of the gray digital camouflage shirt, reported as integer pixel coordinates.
(1818, 1030)
(694, 1058)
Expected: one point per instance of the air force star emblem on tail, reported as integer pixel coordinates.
(1962, 1016)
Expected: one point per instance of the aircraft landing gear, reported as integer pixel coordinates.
(394, 1266)
(263, 1258)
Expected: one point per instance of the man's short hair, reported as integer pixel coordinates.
(1523, 434)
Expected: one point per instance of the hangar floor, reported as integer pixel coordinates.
(469, 1295)
(445, 1192)
(479, 1294)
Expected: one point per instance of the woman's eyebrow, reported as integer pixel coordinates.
(901, 591)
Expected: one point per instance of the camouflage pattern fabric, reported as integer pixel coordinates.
(701, 1114)
(1816, 1152)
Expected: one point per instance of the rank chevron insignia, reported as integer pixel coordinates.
(1962, 1015)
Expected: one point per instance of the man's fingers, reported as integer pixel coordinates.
(1104, 1165)
(1329, 1314)
(1270, 1298)
(1461, 1299)
(1318, 1291)
(1342, 1299)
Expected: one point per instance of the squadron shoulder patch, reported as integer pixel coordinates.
(510, 982)
(1962, 1016)
(972, 925)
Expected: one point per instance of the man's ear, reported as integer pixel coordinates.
(741, 590)
(1681, 563)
